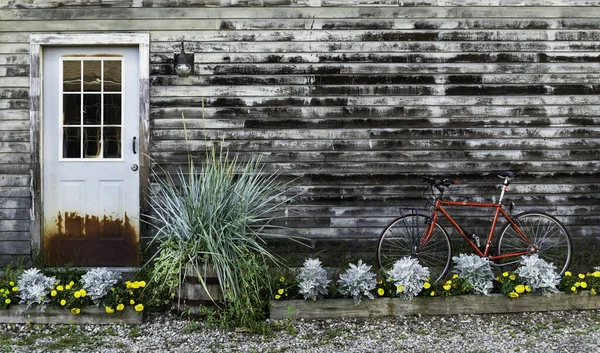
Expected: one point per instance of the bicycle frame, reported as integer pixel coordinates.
(439, 208)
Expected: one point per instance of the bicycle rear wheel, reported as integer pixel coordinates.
(402, 238)
(545, 232)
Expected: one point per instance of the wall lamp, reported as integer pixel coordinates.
(183, 63)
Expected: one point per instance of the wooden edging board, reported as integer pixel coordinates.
(19, 314)
(463, 304)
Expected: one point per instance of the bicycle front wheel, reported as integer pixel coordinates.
(402, 237)
(546, 233)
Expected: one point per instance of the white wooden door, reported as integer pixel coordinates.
(90, 156)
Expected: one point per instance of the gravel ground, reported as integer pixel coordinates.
(573, 331)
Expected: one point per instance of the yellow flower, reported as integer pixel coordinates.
(596, 274)
(281, 279)
(109, 310)
(131, 302)
(53, 293)
(448, 282)
(11, 283)
(447, 287)
(577, 284)
(63, 302)
(568, 274)
(7, 301)
(426, 285)
(277, 296)
(381, 292)
(14, 289)
(581, 275)
(455, 276)
(139, 308)
(280, 291)
(128, 284)
(432, 293)
(120, 307)
(574, 289)
(505, 274)
(83, 293)
(512, 277)
(142, 284)
(513, 294)
(583, 285)
(75, 311)
(67, 287)
(593, 291)
(60, 288)
(399, 289)
(527, 288)
(77, 294)
(520, 289)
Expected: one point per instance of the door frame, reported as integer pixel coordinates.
(36, 44)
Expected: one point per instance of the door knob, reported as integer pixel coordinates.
(134, 167)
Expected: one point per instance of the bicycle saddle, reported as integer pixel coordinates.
(505, 173)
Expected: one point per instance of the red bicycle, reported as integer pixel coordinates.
(420, 235)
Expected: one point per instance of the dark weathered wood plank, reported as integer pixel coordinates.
(92, 315)
(472, 304)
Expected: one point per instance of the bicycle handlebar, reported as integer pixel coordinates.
(438, 184)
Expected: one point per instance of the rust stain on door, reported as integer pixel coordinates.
(89, 240)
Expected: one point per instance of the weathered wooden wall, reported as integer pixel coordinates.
(355, 101)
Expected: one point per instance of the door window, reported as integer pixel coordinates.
(91, 106)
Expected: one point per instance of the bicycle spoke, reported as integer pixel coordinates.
(403, 238)
(547, 235)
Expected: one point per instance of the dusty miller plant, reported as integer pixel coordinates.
(312, 280)
(357, 281)
(34, 288)
(476, 270)
(408, 276)
(540, 275)
(97, 283)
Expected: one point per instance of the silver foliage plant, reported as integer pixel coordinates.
(540, 275)
(408, 276)
(97, 282)
(476, 270)
(358, 281)
(312, 280)
(34, 288)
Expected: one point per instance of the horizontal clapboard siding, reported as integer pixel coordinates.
(15, 148)
(351, 103)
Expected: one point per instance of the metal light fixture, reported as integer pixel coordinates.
(183, 63)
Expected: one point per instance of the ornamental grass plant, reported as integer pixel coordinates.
(219, 213)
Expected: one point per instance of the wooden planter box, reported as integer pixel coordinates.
(463, 304)
(18, 314)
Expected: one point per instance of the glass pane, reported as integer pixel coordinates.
(71, 109)
(91, 142)
(112, 76)
(112, 142)
(112, 109)
(92, 76)
(91, 109)
(71, 76)
(71, 142)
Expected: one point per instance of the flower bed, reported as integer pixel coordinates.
(96, 296)
(408, 289)
(451, 305)
(19, 314)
